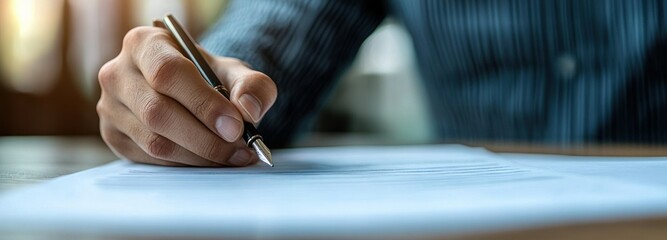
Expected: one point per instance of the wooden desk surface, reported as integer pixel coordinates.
(29, 160)
(581, 150)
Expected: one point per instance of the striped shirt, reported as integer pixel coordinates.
(552, 71)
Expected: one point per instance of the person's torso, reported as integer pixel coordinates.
(559, 71)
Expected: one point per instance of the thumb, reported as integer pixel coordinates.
(252, 92)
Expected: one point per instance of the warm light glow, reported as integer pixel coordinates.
(23, 12)
(30, 37)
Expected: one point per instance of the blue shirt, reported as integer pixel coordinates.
(553, 71)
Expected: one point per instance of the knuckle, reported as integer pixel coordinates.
(213, 151)
(107, 74)
(105, 109)
(155, 113)
(136, 35)
(101, 107)
(160, 147)
(165, 72)
(158, 36)
(201, 107)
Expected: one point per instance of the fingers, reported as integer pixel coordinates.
(124, 147)
(168, 72)
(166, 130)
(132, 140)
(153, 147)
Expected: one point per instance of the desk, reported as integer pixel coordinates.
(29, 160)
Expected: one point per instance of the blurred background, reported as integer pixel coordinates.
(51, 51)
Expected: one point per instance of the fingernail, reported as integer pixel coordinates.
(229, 127)
(241, 158)
(251, 106)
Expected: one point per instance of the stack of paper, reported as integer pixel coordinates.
(332, 192)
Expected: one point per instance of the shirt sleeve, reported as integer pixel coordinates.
(302, 45)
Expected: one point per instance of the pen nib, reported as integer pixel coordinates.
(262, 151)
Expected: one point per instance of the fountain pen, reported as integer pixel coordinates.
(250, 134)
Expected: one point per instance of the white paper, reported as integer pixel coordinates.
(642, 170)
(329, 192)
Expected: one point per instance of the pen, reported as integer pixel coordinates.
(250, 134)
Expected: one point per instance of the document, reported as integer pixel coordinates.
(332, 192)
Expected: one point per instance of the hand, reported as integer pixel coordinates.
(156, 108)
